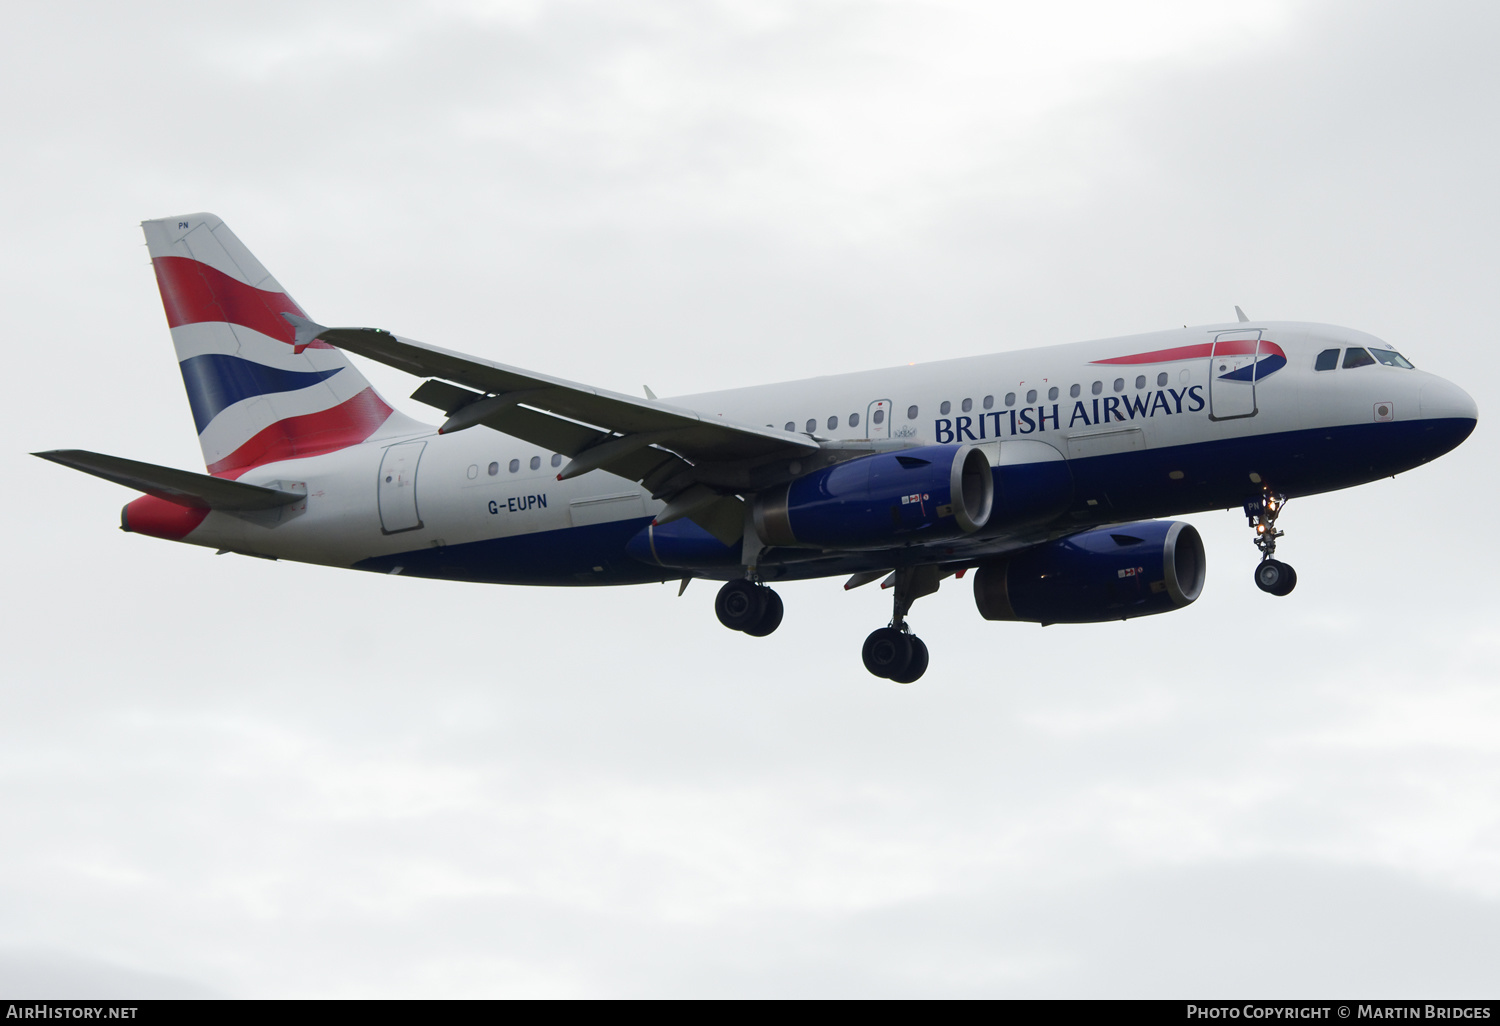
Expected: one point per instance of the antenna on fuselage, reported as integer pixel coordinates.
(1241, 315)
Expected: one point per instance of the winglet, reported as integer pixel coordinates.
(305, 333)
(1241, 315)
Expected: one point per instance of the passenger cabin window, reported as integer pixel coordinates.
(1119, 384)
(812, 426)
(967, 405)
(791, 425)
(1098, 387)
(1031, 396)
(494, 469)
(1140, 382)
(989, 402)
(536, 463)
(1010, 398)
(515, 465)
(1328, 359)
(879, 416)
(943, 409)
(1073, 392)
(854, 420)
(1051, 394)
(1356, 356)
(1391, 358)
(1161, 380)
(833, 423)
(557, 459)
(911, 413)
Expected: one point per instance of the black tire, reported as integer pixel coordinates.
(1272, 577)
(740, 605)
(1291, 581)
(770, 617)
(887, 652)
(918, 664)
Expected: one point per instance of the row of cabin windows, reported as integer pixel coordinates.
(1358, 356)
(967, 405)
(536, 464)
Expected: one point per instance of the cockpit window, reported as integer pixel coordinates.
(1391, 358)
(1328, 359)
(1354, 356)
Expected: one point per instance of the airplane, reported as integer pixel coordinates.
(1044, 471)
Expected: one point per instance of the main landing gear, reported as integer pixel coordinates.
(894, 652)
(750, 607)
(1272, 575)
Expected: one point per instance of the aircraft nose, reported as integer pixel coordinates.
(1443, 400)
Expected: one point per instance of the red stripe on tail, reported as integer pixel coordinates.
(193, 292)
(348, 423)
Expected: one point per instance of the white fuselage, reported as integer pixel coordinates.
(1146, 438)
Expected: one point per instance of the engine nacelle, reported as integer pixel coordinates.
(934, 490)
(1109, 573)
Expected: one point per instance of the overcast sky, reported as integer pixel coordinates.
(226, 776)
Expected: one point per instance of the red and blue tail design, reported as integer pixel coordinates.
(257, 396)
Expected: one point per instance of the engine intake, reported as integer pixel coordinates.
(1109, 573)
(877, 499)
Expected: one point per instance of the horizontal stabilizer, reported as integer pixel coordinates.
(183, 487)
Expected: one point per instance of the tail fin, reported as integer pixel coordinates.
(257, 395)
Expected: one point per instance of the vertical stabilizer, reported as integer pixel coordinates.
(257, 396)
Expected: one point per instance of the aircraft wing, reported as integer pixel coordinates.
(680, 455)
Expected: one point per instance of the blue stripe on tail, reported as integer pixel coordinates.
(215, 382)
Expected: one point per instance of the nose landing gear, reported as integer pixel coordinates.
(1272, 575)
(749, 607)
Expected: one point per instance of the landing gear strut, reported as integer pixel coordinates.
(746, 606)
(894, 652)
(1272, 575)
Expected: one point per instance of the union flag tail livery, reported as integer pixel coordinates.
(1042, 470)
(258, 395)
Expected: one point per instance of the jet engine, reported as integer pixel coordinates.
(1108, 573)
(874, 500)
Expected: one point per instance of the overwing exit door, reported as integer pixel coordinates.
(397, 490)
(1231, 375)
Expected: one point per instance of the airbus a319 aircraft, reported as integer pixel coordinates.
(1040, 470)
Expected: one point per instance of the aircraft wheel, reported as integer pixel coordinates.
(1275, 577)
(740, 605)
(770, 617)
(888, 652)
(918, 664)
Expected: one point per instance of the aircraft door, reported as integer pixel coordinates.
(397, 489)
(1231, 375)
(878, 419)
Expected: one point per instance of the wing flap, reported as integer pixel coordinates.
(183, 487)
(693, 435)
